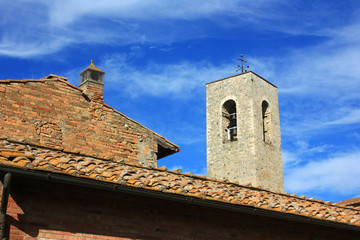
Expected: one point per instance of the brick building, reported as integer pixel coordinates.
(72, 167)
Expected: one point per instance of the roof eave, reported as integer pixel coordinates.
(57, 177)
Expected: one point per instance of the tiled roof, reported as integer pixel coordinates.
(25, 157)
(350, 202)
(92, 66)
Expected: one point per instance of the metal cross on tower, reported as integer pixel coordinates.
(242, 64)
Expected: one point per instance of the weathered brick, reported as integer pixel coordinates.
(58, 115)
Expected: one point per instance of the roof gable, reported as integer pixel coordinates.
(54, 113)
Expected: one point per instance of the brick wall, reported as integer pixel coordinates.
(48, 210)
(56, 114)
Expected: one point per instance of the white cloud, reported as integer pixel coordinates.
(352, 117)
(298, 155)
(65, 12)
(324, 70)
(318, 85)
(179, 80)
(38, 27)
(290, 159)
(303, 147)
(339, 174)
(305, 121)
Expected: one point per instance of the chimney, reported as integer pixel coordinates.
(92, 82)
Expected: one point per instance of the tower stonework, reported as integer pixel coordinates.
(243, 131)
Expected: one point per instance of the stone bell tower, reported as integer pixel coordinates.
(243, 131)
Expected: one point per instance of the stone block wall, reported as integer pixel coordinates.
(249, 159)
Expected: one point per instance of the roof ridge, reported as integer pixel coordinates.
(23, 80)
(61, 149)
(45, 79)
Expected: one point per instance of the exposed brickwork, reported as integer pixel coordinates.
(46, 210)
(93, 92)
(53, 113)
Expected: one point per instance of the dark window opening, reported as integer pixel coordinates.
(229, 120)
(266, 121)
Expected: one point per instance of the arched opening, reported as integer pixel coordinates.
(266, 121)
(229, 122)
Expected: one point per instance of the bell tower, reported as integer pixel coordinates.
(243, 131)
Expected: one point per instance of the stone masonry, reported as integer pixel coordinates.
(254, 154)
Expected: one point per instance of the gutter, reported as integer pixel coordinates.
(60, 178)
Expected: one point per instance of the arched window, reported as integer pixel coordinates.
(229, 122)
(266, 121)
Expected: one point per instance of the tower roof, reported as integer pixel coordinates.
(244, 73)
(93, 67)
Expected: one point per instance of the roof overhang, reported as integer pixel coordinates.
(84, 182)
(165, 148)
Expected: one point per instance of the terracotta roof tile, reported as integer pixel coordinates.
(19, 155)
(350, 202)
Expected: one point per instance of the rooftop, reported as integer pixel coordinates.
(33, 159)
(244, 73)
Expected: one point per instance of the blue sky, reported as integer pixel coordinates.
(158, 56)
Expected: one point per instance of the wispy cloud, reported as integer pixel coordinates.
(38, 27)
(319, 85)
(352, 117)
(180, 80)
(301, 152)
(336, 174)
(306, 121)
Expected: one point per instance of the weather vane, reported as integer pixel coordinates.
(242, 64)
